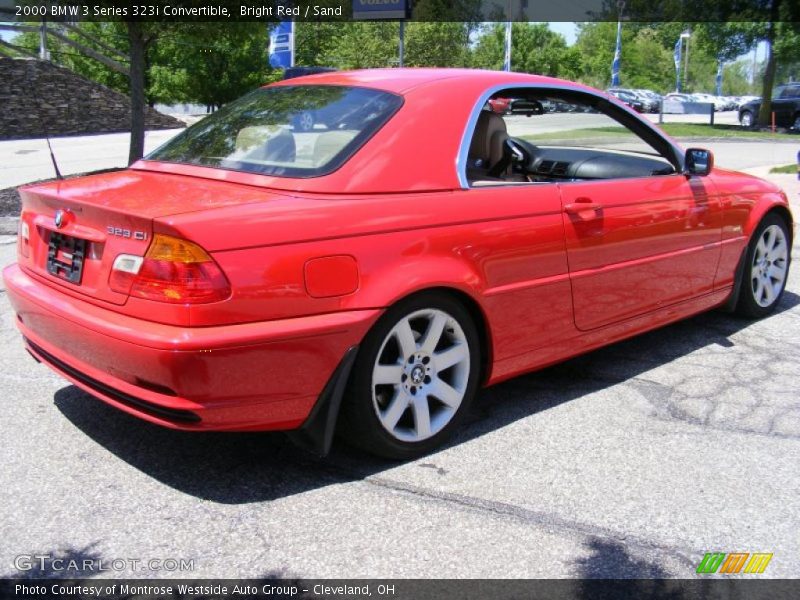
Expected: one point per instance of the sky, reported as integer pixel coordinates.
(568, 30)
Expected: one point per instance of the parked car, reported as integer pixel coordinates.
(358, 280)
(305, 120)
(745, 99)
(501, 106)
(718, 103)
(648, 104)
(670, 100)
(629, 99)
(785, 105)
(654, 98)
(729, 102)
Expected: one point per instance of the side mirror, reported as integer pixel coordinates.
(698, 161)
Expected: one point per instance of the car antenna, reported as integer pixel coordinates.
(53, 158)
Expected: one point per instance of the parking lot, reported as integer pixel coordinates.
(632, 461)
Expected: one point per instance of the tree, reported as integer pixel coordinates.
(314, 40)
(534, 49)
(208, 63)
(363, 44)
(137, 43)
(780, 34)
(437, 44)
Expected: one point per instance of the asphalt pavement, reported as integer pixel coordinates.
(632, 461)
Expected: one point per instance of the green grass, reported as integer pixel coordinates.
(791, 169)
(700, 130)
(676, 130)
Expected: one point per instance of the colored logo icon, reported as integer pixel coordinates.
(734, 562)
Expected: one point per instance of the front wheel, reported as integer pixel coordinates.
(746, 119)
(414, 378)
(766, 268)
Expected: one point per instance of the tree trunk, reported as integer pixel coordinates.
(765, 112)
(137, 47)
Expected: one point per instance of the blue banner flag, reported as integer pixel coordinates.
(281, 45)
(617, 56)
(677, 57)
(507, 59)
(719, 79)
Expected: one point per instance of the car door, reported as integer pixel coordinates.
(784, 105)
(638, 244)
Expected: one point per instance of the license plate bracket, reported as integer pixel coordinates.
(65, 256)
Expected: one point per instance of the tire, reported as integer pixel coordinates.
(796, 122)
(766, 268)
(401, 404)
(746, 119)
(304, 121)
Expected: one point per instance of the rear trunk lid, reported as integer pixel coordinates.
(77, 227)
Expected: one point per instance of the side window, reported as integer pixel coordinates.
(538, 136)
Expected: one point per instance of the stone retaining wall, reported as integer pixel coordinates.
(38, 98)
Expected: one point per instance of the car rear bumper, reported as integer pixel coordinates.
(254, 376)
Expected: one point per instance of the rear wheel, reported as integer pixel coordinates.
(766, 268)
(414, 378)
(796, 123)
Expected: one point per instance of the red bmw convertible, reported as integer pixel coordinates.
(368, 274)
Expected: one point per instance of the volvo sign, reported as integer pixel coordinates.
(380, 9)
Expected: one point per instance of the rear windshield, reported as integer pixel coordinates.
(290, 131)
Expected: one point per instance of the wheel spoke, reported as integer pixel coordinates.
(759, 289)
(397, 407)
(761, 249)
(769, 241)
(775, 273)
(446, 393)
(422, 416)
(387, 374)
(434, 333)
(452, 356)
(778, 252)
(405, 337)
(769, 292)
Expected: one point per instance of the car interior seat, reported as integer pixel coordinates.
(266, 144)
(486, 148)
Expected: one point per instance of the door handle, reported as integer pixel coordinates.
(581, 205)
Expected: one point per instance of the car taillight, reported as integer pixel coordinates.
(173, 270)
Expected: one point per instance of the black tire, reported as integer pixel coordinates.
(747, 120)
(796, 122)
(747, 304)
(359, 423)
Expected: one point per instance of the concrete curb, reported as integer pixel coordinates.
(9, 225)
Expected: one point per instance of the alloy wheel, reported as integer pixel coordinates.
(770, 265)
(306, 121)
(420, 375)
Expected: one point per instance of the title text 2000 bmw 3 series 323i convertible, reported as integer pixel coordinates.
(360, 252)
